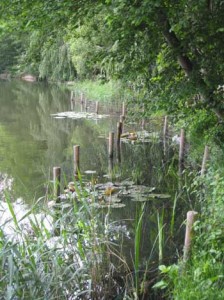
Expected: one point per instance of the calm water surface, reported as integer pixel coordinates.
(32, 142)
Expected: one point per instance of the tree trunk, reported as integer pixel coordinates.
(191, 70)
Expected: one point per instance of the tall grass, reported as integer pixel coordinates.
(98, 91)
(77, 264)
(138, 234)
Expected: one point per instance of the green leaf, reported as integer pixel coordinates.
(160, 285)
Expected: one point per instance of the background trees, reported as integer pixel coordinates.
(171, 50)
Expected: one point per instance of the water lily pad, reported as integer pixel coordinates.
(90, 172)
(143, 198)
(114, 199)
(159, 196)
(79, 115)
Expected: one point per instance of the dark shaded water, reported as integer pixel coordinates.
(32, 142)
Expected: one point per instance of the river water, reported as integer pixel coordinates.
(32, 142)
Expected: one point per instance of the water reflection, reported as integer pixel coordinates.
(32, 143)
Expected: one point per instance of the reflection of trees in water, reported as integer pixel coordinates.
(32, 141)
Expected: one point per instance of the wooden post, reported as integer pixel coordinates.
(111, 144)
(72, 95)
(122, 118)
(181, 151)
(85, 104)
(205, 160)
(191, 217)
(97, 107)
(110, 168)
(56, 181)
(81, 100)
(123, 109)
(76, 152)
(72, 105)
(119, 152)
(143, 124)
(165, 127)
(119, 132)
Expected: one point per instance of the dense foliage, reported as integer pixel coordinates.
(173, 51)
(202, 276)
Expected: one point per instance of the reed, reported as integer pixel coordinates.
(138, 233)
(160, 234)
(36, 264)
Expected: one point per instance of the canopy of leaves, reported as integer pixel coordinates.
(172, 50)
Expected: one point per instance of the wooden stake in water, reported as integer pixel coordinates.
(181, 151)
(143, 124)
(72, 105)
(97, 107)
(123, 109)
(111, 144)
(110, 168)
(205, 160)
(191, 217)
(165, 127)
(72, 95)
(81, 99)
(119, 132)
(56, 181)
(119, 152)
(122, 118)
(76, 152)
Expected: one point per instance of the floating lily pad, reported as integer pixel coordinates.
(90, 172)
(114, 199)
(143, 198)
(79, 115)
(159, 196)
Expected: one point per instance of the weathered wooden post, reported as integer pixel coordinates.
(143, 124)
(110, 168)
(119, 132)
(97, 107)
(72, 95)
(205, 160)
(122, 118)
(165, 127)
(56, 182)
(181, 151)
(119, 153)
(123, 109)
(81, 99)
(191, 217)
(76, 152)
(111, 144)
(72, 105)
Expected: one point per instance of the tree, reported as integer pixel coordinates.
(174, 49)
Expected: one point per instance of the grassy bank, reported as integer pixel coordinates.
(202, 277)
(98, 91)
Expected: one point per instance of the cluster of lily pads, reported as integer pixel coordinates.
(111, 195)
